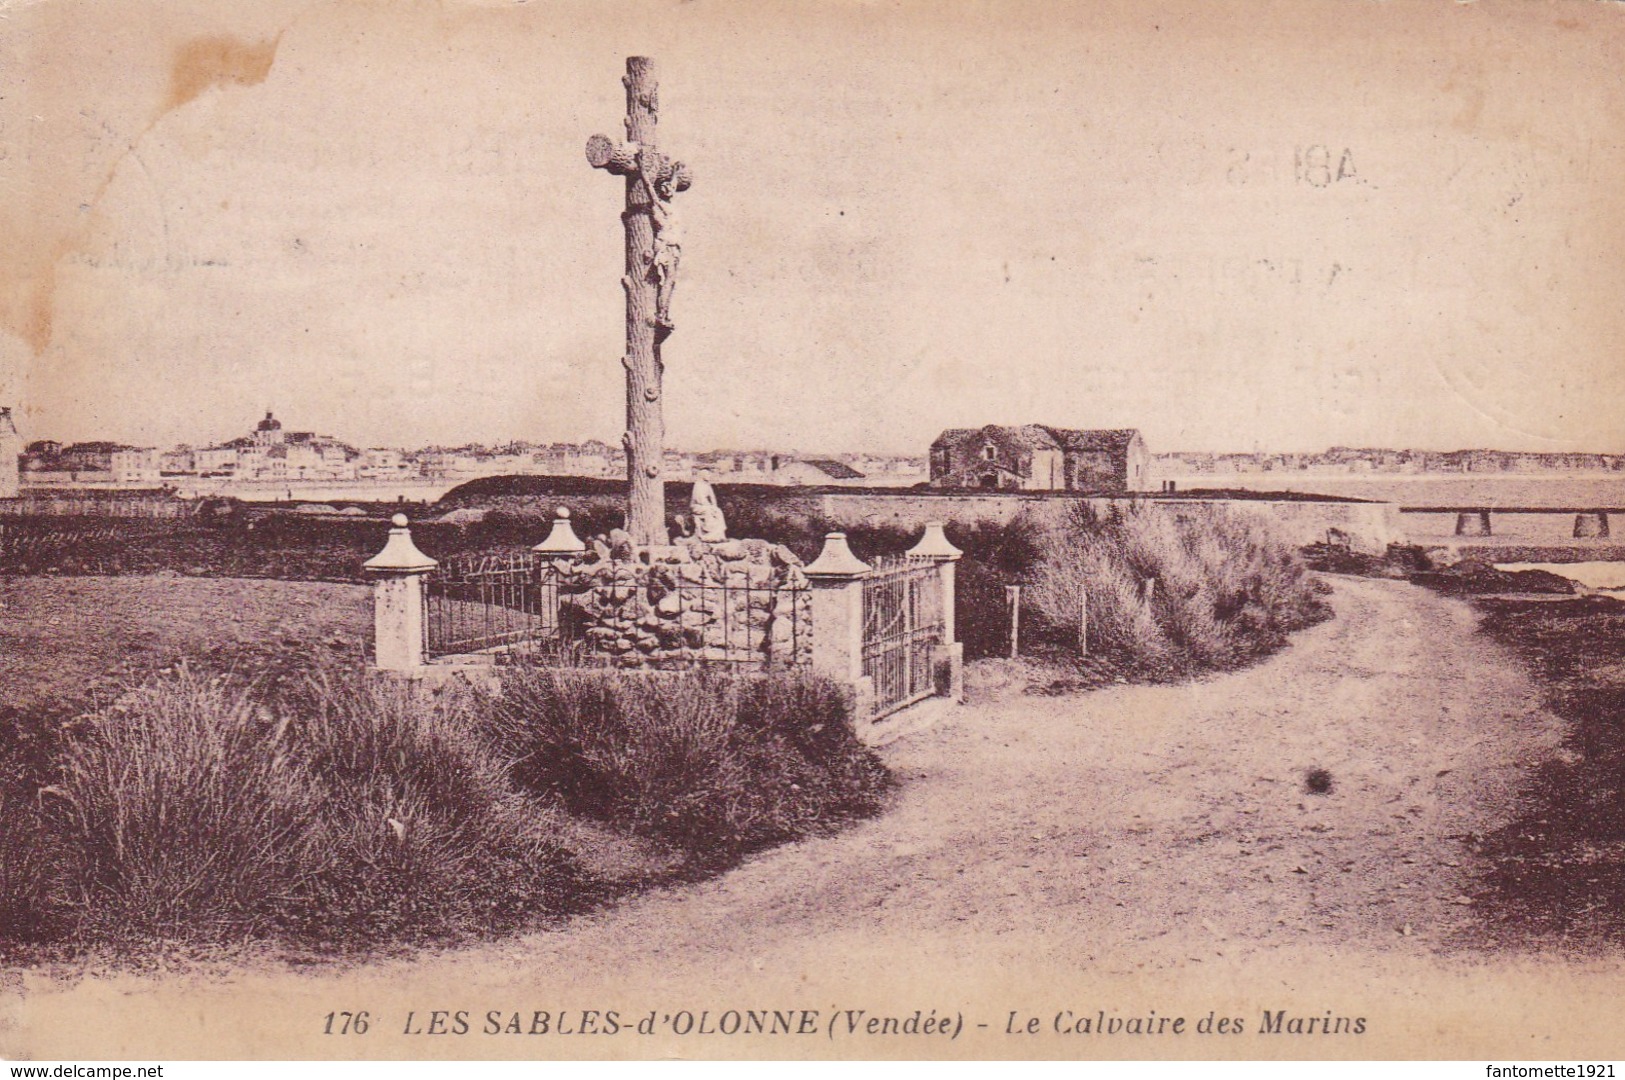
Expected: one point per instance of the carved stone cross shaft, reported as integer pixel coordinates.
(652, 253)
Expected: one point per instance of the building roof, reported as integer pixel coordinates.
(1111, 440)
(838, 470)
(1044, 437)
(1031, 436)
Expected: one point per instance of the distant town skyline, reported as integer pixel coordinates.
(1334, 451)
(272, 456)
(1235, 227)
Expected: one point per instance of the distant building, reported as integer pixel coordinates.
(137, 465)
(269, 453)
(591, 458)
(383, 463)
(48, 462)
(268, 432)
(218, 461)
(1034, 457)
(95, 456)
(11, 447)
(813, 472)
(888, 470)
(180, 461)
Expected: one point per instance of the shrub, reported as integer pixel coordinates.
(419, 831)
(186, 813)
(714, 765)
(352, 810)
(349, 810)
(33, 861)
(1168, 597)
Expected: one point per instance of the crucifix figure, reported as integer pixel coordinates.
(668, 248)
(653, 250)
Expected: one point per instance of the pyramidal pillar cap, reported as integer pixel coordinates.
(563, 539)
(836, 560)
(934, 544)
(400, 554)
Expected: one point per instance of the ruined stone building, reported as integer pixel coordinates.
(1035, 457)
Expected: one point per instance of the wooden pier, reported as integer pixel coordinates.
(1590, 522)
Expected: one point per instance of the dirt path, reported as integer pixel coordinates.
(1132, 847)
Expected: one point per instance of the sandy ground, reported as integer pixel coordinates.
(1133, 849)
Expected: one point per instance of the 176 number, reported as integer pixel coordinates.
(346, 1023)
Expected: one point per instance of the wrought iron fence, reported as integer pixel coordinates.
(902, 625)
(486, 603)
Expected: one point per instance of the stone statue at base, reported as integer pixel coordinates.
(709, 524)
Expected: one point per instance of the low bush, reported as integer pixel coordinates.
(183, 812)
(716, 765)
(1167, 597)
(33, 860)
(352, 811)
(995, 557)
(348, 810)
(420, 831)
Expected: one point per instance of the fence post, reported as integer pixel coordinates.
(397, 600)
(836, 577)
(1012, 600)
(948, 659)
(1083, 619)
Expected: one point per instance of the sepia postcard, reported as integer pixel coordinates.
(558, 529)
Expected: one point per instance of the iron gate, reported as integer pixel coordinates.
(902, 626)
(493, 602)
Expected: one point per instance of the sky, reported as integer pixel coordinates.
(1235, 226)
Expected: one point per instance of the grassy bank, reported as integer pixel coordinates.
(245, 543)
(1559, 867)
(67, 643)
(343, 814)
(1170, 598)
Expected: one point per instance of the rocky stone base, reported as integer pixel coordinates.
(691, 602)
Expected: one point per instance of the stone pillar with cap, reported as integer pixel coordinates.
(561, 549)
(948, 658)
(836, 577)
(397, 600)
(935, 545)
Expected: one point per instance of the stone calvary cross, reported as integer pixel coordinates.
(653, 248)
